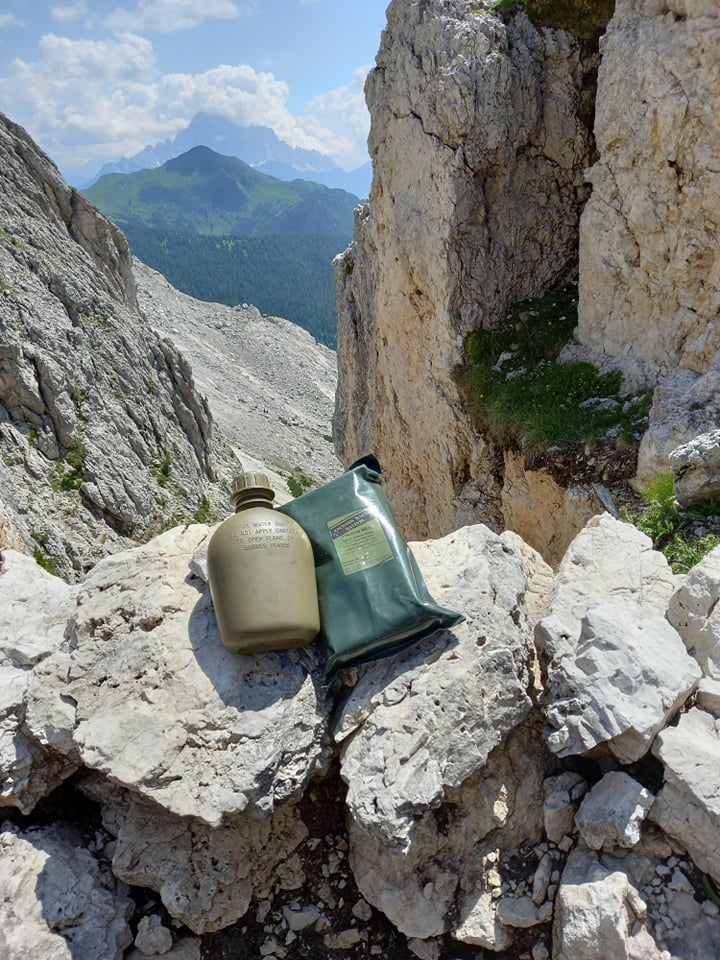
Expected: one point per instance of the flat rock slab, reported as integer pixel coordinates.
(144, 692)
(428, 718)
(627, 676)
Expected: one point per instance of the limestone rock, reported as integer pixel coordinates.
(612, 813)
(628, 675)
(685, 404)
(653, 217)
(206, 877)
(538, 573)
(428, 718)
(34, 609)
(591, 571)
(694, 613)
(152, 937)
(696, 469)
(494, 812)
(477, 156)
(688, 806)
(189, 948)
(595, 911)
(541, 511)
(518, 912)
(616, 670)
(159, 706)
(708, 696)
(561, 796)
(58, 901)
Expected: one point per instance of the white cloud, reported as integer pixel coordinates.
(10, 20)
(68, 12)
(342, 122)
(167, 16)
(91, 102)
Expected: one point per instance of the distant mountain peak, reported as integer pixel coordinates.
(256, 145)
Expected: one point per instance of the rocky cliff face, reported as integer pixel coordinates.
(99, 418)
(649, 237)
(480, 179)
(478, 155)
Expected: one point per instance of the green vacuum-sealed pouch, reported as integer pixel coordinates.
(372, 595)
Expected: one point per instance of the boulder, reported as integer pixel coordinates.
(596, 911)
(206, 877)
(626, 678)
(696, 469)
(611, 814)
(562, 794)
(693, 611)
(688, 806)
(685, 404)
(34, 609)
(59, 902)
(616, 670)
(143, 691)
(433, 885)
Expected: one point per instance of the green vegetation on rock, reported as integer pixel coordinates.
(519, 396)
(67, 480)
(585, 19)
(299, 482)
(674, 529)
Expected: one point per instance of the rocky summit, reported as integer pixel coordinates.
(541, 781)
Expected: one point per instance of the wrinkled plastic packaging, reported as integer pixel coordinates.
(372, 595)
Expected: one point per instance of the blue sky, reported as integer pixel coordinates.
(95, 80)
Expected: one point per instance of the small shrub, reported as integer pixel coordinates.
(161, 469)
(204, 513)
(79, 397)
(670, 526)
(67, 480)
(298, 482)
(46, 562)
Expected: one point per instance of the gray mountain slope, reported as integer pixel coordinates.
(269, 384)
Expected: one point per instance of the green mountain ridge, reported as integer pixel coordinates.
(206, 193)
(221, 231)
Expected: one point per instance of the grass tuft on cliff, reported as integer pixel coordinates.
(680, 533)
(585, 19)
(519, 396)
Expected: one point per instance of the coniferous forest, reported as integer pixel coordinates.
(286, 276)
